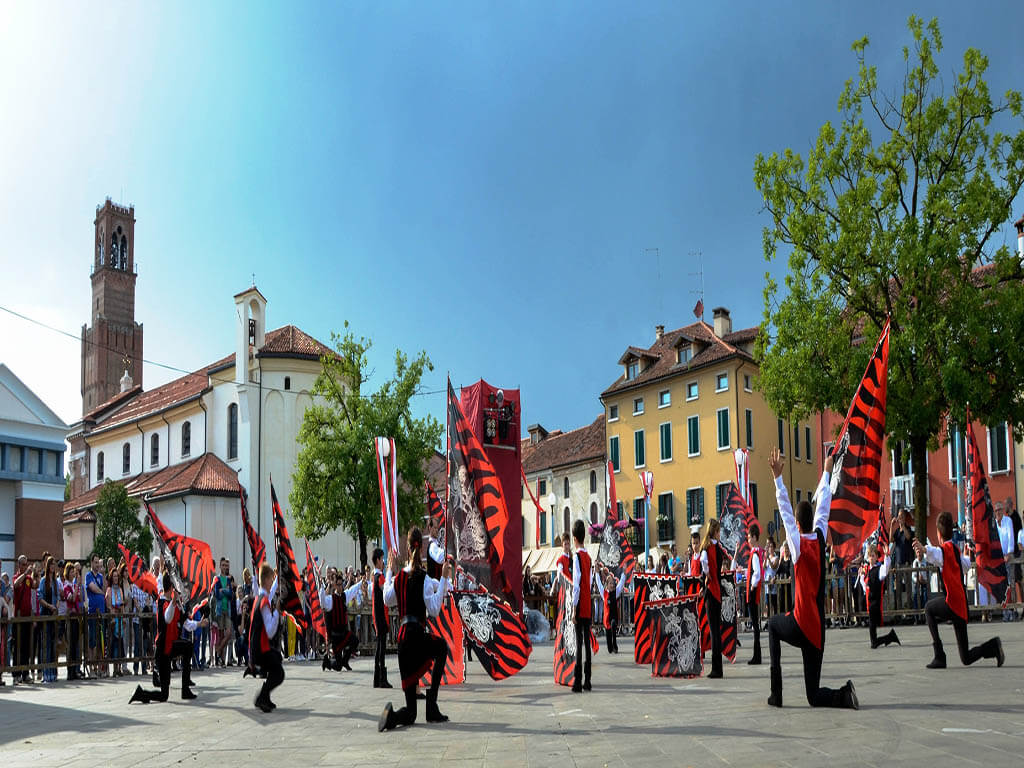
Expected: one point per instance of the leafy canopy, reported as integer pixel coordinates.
(117, 522)
(891, 214)
(335, 481)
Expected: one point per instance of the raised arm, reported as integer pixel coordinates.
(785, 507)
(824, 497)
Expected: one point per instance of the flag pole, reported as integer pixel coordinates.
(959, 478)
(447, 460)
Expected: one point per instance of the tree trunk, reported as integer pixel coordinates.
(361, 537)
(919, 457)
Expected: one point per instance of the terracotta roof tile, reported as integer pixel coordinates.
(559, 450)
(205, 475)
(711, 349)
(289, 341)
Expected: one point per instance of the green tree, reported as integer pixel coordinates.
(892, 214)
(335, 481)
(117, 522)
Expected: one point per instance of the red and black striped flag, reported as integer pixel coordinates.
(676, 633)
(648, 587)
(564, 661)
(735, 519)
(448, 626)
(990, 561)
(188, 560)
(614, 551)
(436, 514)
(137, 573)
(496, 632)
(479, 513)
(856, 476)
(316, 611)
(256, 545)
(289, 582)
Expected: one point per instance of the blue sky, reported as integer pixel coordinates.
(481, 180)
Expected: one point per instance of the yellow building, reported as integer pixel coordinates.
(680, 408)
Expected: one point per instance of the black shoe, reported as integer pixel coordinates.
(421, 695)
(895, 638)
(186, 693)
(714, 675)
(324, 665)
(386, 721)
(775, 700)
(156, 680)
(434, 714)
(345, 665)
(385, 684)
(849, 696)
(586, 686)
(139, 696)
(939, 662)
(577, 689)
(755, 660)
(262, 704)
(1000, 656)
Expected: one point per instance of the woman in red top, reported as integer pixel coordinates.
(712, 557)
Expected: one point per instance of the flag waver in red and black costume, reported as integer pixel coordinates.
(381, 622)
(872, 581)
(953, 605)
(712, 560)
(582, 608)
(342, 639)
(755, 572)
(804, 627)
(610, 594)
(416, 595)
(263, 625)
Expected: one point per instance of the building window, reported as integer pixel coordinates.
(722, 382)
(638, 508)
(782, 438)
(154, 450)
(684, 354)
(998, 449)
(666, 441)
(565, 487)
(543, 487)
(287, 382)
(543, 525)
(639, 455)
(691, 391)
(593, 512)
(613, 413)
(807, 444)
(693, 436)
(723, 429)
(748, 385)
(593, 481)
(632, 370)
(695, 506)
(613, 453)
(796, 441)
(186, 438)
(664, 398)
(233, 431)
(666, 519)
(721, 493)
(126, 458)
(638, 406)
(566, 523)
(99, 467)
(901, 464)
(620, 509)
(750, 428)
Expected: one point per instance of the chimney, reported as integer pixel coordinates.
(659, 331)
(723, 323)
(1020, 237)
(126, 381)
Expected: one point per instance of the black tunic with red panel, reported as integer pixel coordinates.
(953, 580)
(584, 607)
(380, 608)
(809, 579)
(875, 588)
(166, 633)
(337, 621)
(713, 583)
(259, 643)
(754, 595)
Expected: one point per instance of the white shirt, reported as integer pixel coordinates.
(883, 569)
(576, 576)
(704, 558)
(188, 624)
(354, 592)
(433, 591)
(1020, 538)
(1005, 527)
(618, 587)
(755, 569)
(270, 617)
(821, 512)
(934, 555)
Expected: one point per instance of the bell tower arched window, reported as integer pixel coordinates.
(99, 467)
(593, 482)
(113, 249)
(186, 438)
(126, 458)
(565, 520)
(124, 252)
(233, 431)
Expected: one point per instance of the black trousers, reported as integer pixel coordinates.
(270, 665)
(342, 647)
(714, 611)
(754, 612)
(380, 672)
(416, 649)
(180, 649)
(22, 646)
(783, 627)
(611, 635)
(937, 610)
(582, 646)
(874, 622)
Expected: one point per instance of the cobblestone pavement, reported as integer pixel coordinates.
(959, 716)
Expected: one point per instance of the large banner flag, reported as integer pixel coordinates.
(289, 582)
(856, 476)
(448, 626)
(614, 551)
(676, 632)
(496, 632)
(256, 545)
(613, 498)
(316, 611)
(477, 507)
(387, 477)
(735, 520)
(991, 565)
(188, 560)
(436, 514)
(648, 587)
(137, 573)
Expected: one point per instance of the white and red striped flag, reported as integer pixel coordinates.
(387, 475)
(742, 460)
(613, 499)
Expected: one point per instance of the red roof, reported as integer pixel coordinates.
(291, 342)
(205, 475)
(563, 449)
(709, 349)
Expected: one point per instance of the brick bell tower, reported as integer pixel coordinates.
(113, 344)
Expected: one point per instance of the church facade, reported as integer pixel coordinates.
(188, 445)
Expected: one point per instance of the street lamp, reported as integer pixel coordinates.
(552, 500)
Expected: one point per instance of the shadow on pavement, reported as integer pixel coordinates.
(23, 720)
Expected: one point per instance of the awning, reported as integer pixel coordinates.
(545, 559)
